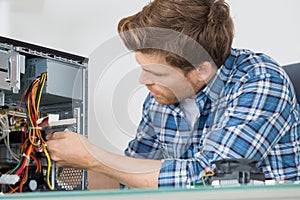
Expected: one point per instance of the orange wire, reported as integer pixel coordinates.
(208, 172)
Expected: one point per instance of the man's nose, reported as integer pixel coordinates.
(145, 78)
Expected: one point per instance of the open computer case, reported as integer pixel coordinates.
(42, 90)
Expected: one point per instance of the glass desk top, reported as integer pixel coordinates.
(286, 192)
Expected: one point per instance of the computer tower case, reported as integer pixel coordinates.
(42, 90)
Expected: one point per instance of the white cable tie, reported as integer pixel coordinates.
(28, 162)
(24, 155)
(35, 128)
(40, 120)
(33, 137)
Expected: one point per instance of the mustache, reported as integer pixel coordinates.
(151, 89)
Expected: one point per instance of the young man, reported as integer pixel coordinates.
(207, 102)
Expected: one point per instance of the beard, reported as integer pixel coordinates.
(165, 96)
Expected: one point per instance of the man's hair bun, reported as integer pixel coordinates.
(219, 12)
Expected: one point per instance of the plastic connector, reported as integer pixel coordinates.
(9, 179)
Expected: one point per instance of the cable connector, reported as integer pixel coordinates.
(9, 179)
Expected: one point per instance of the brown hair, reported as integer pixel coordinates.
(164, 26)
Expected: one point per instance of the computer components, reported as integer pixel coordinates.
(236, 172)
(41, 91)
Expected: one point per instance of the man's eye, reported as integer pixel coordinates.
(154, 73)
(157, 74)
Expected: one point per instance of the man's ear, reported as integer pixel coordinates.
(206, 71)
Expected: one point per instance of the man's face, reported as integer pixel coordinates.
(167, 84)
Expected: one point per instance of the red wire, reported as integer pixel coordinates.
(23, 181)
(38, 167)
(27, 154)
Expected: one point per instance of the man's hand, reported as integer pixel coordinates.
(69, 149)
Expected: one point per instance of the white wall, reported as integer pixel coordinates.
(75, 26)
(88, 28)
(4, 17)
(269, 26)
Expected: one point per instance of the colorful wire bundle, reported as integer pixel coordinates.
(33, 141)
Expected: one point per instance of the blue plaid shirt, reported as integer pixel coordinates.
(248, 110)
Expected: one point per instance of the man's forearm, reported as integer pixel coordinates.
(137, 173)
(73, 150)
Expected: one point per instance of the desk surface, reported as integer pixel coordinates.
(286, 192)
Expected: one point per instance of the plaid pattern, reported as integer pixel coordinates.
(249, 110)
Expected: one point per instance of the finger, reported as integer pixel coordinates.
(48, 136)
(53, 150)
(50, 147)
(63, 164)
(59, 135)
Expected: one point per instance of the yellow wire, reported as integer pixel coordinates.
(30, 119)
(33, 132)
(37, 131)
(44, 76)
(212, 173)
(49, 168)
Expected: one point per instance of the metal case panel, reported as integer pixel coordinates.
(63, 79)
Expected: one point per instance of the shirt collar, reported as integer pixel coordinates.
(175, 108)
